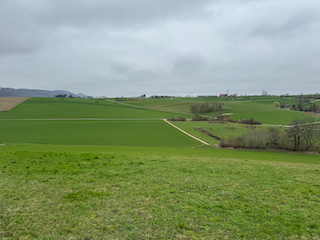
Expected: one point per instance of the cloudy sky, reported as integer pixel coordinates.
(171, 47)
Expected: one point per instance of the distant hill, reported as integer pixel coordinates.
(11, 92)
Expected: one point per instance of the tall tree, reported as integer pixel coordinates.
(310, 133)
(300, 105)
(295, 132)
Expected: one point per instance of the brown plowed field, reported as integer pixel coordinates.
(7, 103)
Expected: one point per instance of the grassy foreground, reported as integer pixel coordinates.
(66, 192)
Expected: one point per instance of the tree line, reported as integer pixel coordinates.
(206, 107)
(302, 135)
(303, 100)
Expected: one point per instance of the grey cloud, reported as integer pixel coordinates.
(25, 25)
(188, 65)
(129, 48)
(18, 44)
(120, 13)
(18, 32)
(298, 21)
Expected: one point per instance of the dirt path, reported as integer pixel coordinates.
(315, 101)
(274, 125)
(185, 132)
(288, 126)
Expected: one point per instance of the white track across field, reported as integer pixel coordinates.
(186, 132)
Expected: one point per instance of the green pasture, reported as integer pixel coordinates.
(292, 157)
(49, 108)
(116, 178)
(221, 130)
(175, 105)
(99, 192)
(121, 132)
(178, 104)
(258, 107)
(316, 102)
(262, 111)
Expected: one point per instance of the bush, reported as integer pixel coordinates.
(180, 118)
(198, 117)
(206, 107)
(251, 121)
(301, 136)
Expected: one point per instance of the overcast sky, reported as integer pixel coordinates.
(168, 47)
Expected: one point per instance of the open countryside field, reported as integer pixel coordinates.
(121, 132)
(258, 107)
(7, 103)
(221, 130)
(55, 192)
(66, 177)
(68, 122)
(262, 111)
(49, 108)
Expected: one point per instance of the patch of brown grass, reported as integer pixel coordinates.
(7, 103)
(311, 114)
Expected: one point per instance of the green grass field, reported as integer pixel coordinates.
(263, 111)
(71, 192)
(63, 176)
(221, 130)
(48, 108)
(258, 107)
(125, 133)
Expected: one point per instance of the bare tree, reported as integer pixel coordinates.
(310, 133)
(274, 137)
(295, 132)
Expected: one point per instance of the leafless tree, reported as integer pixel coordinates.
(295, 132)
(310, 133)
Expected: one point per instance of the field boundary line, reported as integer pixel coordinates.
(185, 132)
(289, 126)
(130, 105)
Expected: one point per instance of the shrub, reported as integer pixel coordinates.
(276, 104)
(301, 136)
(198, 117)
(251, 121)
(225, 118)
(180, 118)
(206, 107)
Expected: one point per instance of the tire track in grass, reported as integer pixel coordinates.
(136, 106)
(186, 132)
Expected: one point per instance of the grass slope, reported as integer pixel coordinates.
(125, 133)
(225, 130)
(139, 195)
(168, 151)
(257, 107)
(47, 108)
(263, 111)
